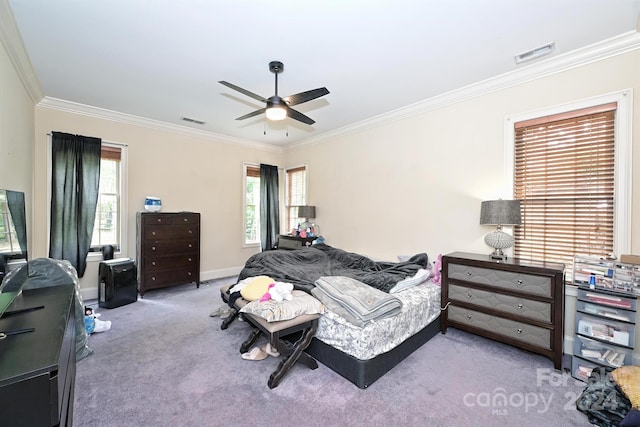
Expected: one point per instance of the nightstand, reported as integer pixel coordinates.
(518, 302)
(294, 242)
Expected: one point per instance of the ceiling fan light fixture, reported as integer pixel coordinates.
(276, 113)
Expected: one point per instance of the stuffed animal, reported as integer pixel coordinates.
(437, 267)
(93, 324)
(278, 291)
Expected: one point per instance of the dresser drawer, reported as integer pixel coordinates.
(182, 261)
(185, 218)
(160, 278)
(519, 331)
(529, 283)
(164, 247)
(509, 304)
(164, 232)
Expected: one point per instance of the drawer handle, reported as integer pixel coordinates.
(153, 248)
(190, 232)
(190, 245)
(468, 316)
(153, 232)
(159, 220)
(189, 273)
(520, 282)
(153, 263)
(520, 306)
(469, 295)
(185, 219)
(153, 278)
(190, 259)
(519, 330)
(468, 274)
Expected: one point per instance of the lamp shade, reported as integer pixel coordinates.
(306, 211)
(500, 212)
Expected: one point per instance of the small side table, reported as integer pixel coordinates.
(294, 242)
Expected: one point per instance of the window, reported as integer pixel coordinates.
(108, 225)
(296, 195)
(252, 204)
(572, 173)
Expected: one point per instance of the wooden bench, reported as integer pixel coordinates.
(303, 326)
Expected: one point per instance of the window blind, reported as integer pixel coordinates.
(564, 177)
(296, 194)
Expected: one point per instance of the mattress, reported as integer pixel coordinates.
(420, 306)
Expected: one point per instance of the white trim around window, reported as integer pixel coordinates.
(623, 156)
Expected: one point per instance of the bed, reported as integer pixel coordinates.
(360, 351)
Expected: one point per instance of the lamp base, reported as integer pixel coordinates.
(498, 240)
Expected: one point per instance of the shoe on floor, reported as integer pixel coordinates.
(218, 312)
(225, 313)
(255, 354)
(271, 351)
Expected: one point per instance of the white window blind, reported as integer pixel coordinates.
(296, 194)
(564, 176)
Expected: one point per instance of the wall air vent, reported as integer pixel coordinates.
(535, 53)
(198, 122)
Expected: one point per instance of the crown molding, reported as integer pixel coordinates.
(13, 44)
(531, 71)
(130, 119)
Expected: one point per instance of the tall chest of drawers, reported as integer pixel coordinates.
(514, 301)
(168, 249)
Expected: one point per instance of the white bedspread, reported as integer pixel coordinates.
(420, 306)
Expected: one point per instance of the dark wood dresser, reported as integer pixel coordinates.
(38, 368)
(514, 301)
(168, 249)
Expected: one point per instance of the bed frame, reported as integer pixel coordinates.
(363, 373)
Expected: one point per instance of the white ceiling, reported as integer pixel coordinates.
(162, 59)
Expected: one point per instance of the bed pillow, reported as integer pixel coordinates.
(271, 311)
(628, 380)
(256, 288)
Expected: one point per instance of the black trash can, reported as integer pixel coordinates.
(118, 284)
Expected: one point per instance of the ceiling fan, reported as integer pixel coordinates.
(278, 108)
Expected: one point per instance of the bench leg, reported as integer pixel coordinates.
(288, 361)
(255, 334)
(226, 322)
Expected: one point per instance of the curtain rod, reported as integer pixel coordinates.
(107, 142)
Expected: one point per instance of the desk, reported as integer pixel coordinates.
(37, 369)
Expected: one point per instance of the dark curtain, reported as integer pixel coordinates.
(269, 207)
(74, 196)
(15, 201)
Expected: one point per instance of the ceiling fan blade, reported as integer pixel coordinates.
(301, 97)
(252, 114)
(297, 115)
(244, 91)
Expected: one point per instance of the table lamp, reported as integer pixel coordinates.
(500, 212)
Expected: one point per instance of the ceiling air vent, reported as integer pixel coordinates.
(198, 122)
(535, 53)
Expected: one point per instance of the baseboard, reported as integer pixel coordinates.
(219, 274)
(91, 292)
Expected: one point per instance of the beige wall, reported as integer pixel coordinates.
(416, 184)
(16, 134)
(191, 173)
